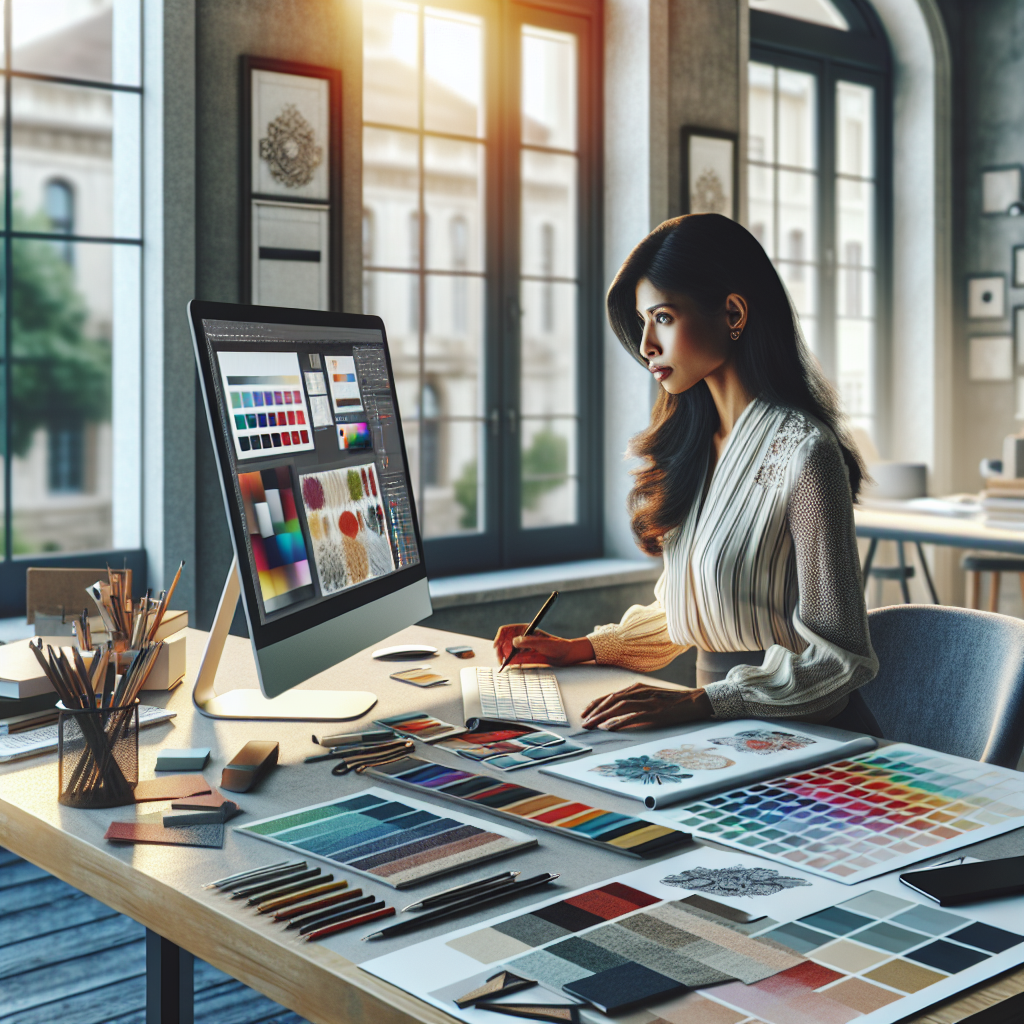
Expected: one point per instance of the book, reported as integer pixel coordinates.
(710, 758)
(21, 675)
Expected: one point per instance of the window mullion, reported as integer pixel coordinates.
(6, 298)
(828, 256)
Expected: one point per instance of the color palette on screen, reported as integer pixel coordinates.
(275, 536)
(397, 842)
(861, 817)
(270, 418)
(623, 833)
(354, 435)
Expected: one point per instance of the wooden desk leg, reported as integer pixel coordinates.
(993, 594)
(169, 997)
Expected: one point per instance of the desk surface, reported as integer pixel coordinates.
(159, 886)
(929, 528)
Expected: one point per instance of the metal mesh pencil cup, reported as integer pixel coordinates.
(98, 756)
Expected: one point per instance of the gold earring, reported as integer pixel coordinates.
(735, 335)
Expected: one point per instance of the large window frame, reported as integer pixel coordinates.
(501, 542)
(860, 56)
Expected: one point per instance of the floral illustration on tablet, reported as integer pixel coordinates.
(643, 769)
(737, 881)
(764, 741)
(688, 756)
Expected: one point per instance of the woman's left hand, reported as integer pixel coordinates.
(643, 706)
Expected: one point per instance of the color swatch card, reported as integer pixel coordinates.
(712, 937)
(511, 745)
(862, 817)
(267, 402)
(419, 725)
(621, 833)
(710, 758)
(354, 435)
(347, 527)
(275, 536)
(399, 842)
(341, 373)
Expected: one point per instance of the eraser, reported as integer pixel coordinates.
(249, 766)
(190, 759)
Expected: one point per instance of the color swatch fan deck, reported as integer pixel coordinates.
(267, 404)
(399, 842)
(864, 816)
(810, 952)
(710, 758)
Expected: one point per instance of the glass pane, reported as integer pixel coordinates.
(856, 292)
(761, 113)
(391, 198)
(855, 227)
(761, 193)
(549, 88)
(855, 129)
(797, 119)
(855, 365)
(452, 483)
(391, 90)
(821, 12)
(797, 212)
(453, 99)
(801, 281)
(548, 353)
(394, 297)
(454, 199)
(548, 216)
(453, 346)
(67, 166)
(98, 40)
(63, 313)
(548, 472)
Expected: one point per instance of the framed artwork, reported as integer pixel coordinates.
(986, 297)
(1018, 266)
(291, 184)
(710, 171)
(991, 357)
(1000, 189)
(1018, 333)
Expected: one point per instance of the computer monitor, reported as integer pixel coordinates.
(313, 469)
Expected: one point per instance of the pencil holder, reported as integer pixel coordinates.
(98, 754)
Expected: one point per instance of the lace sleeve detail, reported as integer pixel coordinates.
(831, 615)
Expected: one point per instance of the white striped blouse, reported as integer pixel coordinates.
(767, 562)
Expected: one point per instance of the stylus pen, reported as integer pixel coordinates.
(266, 880)
(269, 884)
(242, 876)
(529, 631)
(328, 916)
(458, 892)
(508, 892)
(344, 739)
(309, 909)
(343, 925)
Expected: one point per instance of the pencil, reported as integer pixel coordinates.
(310, 922)
(343, 925)
(530, 628)
(241, 875)
(304, 909)
(299, 897)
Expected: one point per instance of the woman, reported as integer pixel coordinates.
(747, 492)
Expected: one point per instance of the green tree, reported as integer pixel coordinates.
(545, 465)
(465, 495)
(61, 373)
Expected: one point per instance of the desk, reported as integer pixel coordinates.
(160, 886)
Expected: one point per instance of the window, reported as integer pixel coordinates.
(70, 226)
(817, 184)
(480, 125)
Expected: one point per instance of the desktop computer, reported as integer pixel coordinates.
(313, 470)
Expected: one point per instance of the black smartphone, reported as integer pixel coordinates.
(969, 883)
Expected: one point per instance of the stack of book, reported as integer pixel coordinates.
(1002, 502)
(27, 697)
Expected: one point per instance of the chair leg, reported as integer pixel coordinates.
(993, 594)
(903, 572)
(872, 548)
(928, 575)
(974, 588)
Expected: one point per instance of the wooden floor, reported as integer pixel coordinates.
(65, 958)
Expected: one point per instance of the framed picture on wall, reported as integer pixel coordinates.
(991, 358)
(1018, 266)
(1018, 333)
(986, 297)
(291, 184)
(1000, 189)
(710, 171)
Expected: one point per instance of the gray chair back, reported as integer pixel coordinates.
(951, 679)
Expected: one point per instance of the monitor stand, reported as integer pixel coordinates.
(301, 705)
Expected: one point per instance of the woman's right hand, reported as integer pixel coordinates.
(541, 647)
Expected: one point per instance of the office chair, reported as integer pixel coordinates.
(951, 679)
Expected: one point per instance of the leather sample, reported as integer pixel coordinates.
(173, 787)
(149, 828)
(502, 983)
(622, 988)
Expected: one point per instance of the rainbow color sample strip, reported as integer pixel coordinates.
(622, 833)
(864, 816)
(398, 842)
(275, 535)
(354, 435)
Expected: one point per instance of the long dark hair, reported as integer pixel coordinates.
(707, 257)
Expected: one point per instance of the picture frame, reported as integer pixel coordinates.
(991, 358)
(1017, 266)
(1018, 334)
(986, 297)
(1001, 188)
(710, 171)
(290, 162)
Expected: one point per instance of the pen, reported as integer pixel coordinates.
(299, 897)
(470, 904)
(530, 628)
(311, 922)
(266, 879)
(241, 875)
(459, 891)
(343, 739)
(308, 909)
(343, 925)
(291, 885)
(272, 882)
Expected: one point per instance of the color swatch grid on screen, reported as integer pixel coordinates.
(862, 817)
(397, 842)
(346, 526)
(354, 435)
(278, 548)
(611, 831)
(827, 967)
(267, 407)
(341, 373)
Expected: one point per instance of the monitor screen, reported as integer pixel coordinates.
(312, 461)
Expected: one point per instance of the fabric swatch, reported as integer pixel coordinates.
(932, 922)
(948, 957)
(531, 930)
(797, 938)
(588, 955)
(149, 828)
(848, 956)
(904, 976)
(876, 904)
(488, 945)
(173, 787)
(861, 995)
(693, 1008)
(548, 969)
(622, 988)
(888, 936)
(984, 936)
